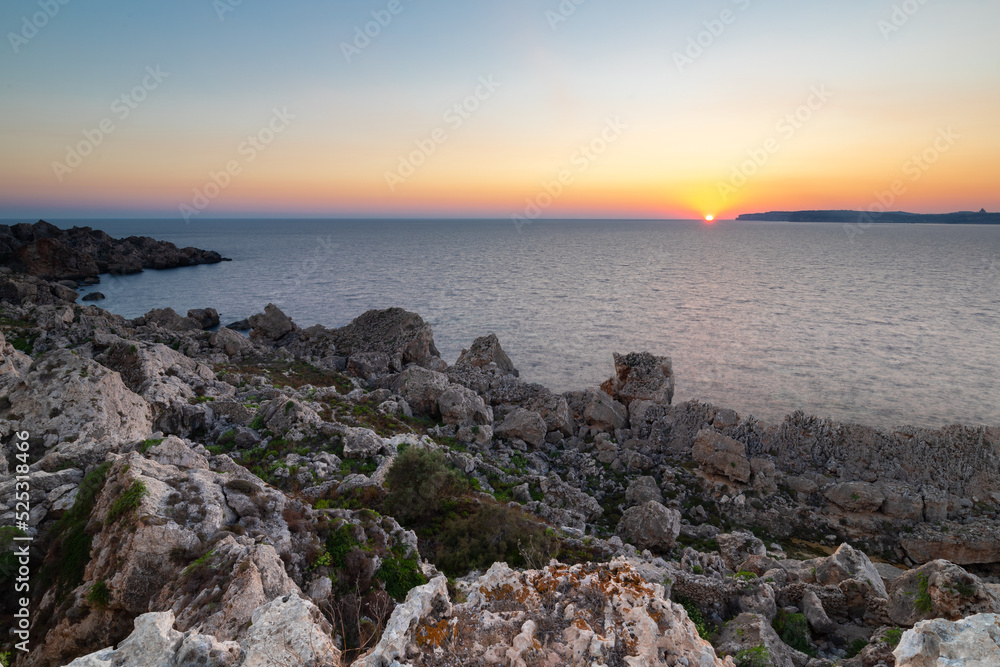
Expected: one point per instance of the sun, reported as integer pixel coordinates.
(709, 218)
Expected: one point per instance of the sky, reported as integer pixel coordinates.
(533, 108)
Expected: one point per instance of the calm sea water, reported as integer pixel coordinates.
(899, 326)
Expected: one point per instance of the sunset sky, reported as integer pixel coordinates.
(580, 108)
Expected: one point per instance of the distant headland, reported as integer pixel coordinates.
(958, 218)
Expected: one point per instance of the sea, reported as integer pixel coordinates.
(885, 325)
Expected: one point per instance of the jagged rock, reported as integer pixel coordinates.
(970, 642)
(523, 424)
(604, 412)
(485, 351)
(78, 408)
(650, 526)
(738, 546)
(229, 341)
(721, 455)
(13, 364)
(641, 376)
(560, 495)
(403, 337)
(900, 503)
(170, 381)
(641, 490)
(421, 388)
(848, 563)
(598, 607)
(93, 296)
(205, 317)
(362, 443)
(283, 413)
(166, 318)
(460, 406)
(289, 631)
(764, 476)
(978, 542)
(174, 451)
(270, 326)
(855, 496)
(812, 607)
(748, 631)
(939, 589)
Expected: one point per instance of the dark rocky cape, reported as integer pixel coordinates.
(959, 218)
(82, 253)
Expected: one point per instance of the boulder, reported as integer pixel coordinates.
(738, 546)
(747, 632)
(289, 631)
(560, 495)
(650, 526)
(421, 388)
(506, 620)
(485, 352)
(848, 563)
(970, 642)
(205, 317)
(79, 409)
(230, 342)
(721, 455)
(641, 376)
(93, 296)
(523, 424)
(641, 490)
(939, 589)
(402, 336)
(460, 406)
(166, 318)
(271, 325)
(812, 607)
(603, 412)
(362, 443)
(855, 496)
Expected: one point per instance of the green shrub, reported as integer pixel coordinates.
(794, 631)
(892, 636)
(127, 502)
(419, 483)
(99, 595)
(257, 423)
(399, 575)
(922, 601)
(71, 542)
(695, 615)
(856, 647)
(149, 444)
(757, 656)
(339, 544)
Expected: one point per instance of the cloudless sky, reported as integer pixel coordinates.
(616, 98)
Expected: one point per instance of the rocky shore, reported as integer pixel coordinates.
(315, 496)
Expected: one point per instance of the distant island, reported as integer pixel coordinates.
(959, 218)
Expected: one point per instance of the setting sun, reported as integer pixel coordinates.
(709, 218)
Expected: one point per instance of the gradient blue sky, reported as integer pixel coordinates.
(686, 131)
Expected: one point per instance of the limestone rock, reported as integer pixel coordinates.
(205, 317)
(650, 526)
(229, 341)
(721, 455)
(599, 604)
(292, 631)
(970, 642)
(77, 406)
(421, 388)
(523, 424)
(166, 318)
(362, 443)
(403, 337)
(939, 589)
(641, 376)
(748, 631)
(855, 496)
(270, 326)
(738, 546)
(812, 607)
(849, 563)
(460, 406)
(641, 490)
(485, 351)
(560, 495)
(604, 412)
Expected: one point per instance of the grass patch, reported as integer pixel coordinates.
(128, 502)
(893, 636)
(99, 595)
(755, 656)
(695, 615)
(794, 631)
(922, 600)
(399, 575)
(149, 444)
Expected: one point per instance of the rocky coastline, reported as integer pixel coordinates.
(322, 497)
